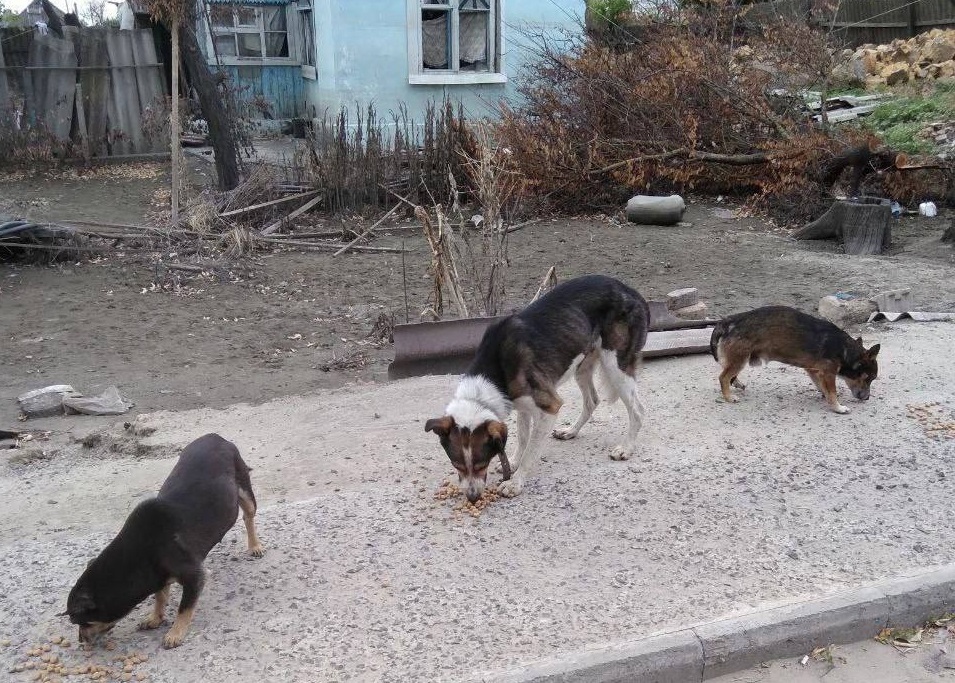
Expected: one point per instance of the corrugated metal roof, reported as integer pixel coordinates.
(258, 3)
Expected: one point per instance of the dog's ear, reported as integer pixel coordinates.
(497, 432)
(440, 425)
(874, 351)
(80, 602)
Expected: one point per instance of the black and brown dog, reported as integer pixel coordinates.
(585, 325)
(165, 540)
(789, 336)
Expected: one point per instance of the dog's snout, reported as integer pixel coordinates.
(473, 496)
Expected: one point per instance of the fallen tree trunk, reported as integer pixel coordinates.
(862, 160)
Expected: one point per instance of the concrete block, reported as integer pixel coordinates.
(914, 600)
(738, 643)
(655, 210)
(681, 298)
(694, 312)
(846, 311)
(896, 300)
(670, 658)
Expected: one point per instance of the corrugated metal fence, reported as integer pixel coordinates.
(863, 21)
(94, 87)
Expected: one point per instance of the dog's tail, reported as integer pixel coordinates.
(718, 331)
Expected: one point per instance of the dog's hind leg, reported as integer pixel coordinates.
(247, 503)
(585, 380)
(158, 616)
(625, 386)
(191, 588)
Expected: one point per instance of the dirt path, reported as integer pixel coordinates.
(369, 578)
(171, 341)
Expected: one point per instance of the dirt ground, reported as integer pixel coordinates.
(171, 340)
(368, 577)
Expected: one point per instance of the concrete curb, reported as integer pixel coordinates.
(727, 645)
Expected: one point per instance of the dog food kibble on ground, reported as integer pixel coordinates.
(934, 419)
(56, 660)
(449, 491)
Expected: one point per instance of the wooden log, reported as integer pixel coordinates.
(827, 226)
(865, 229)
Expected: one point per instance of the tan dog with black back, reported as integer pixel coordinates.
(789, 336)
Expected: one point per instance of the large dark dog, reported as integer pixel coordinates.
(583, 324)
(789, 336)
(165, 540)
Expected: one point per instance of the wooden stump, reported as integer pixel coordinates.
(865, 229)
(862, 224)
(949, 234)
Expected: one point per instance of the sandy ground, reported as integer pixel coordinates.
(369, 578)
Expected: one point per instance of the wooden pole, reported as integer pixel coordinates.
(174, 121)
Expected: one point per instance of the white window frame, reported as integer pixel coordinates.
(259, 28)
(306, 29)
(418, 75)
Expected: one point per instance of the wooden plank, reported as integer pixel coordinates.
(282, 200)
(125, 129)
(54, 89)
(95, 79)
(149, 80)
(5, 103)
(268, 230)
(677, 343)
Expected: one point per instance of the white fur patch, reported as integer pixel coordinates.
(477, 401)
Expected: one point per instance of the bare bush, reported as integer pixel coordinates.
(359, 159)
(686, 105)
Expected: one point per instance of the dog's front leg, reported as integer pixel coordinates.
(539, 425)
(156, 619)
(191, 588)
(832, 397)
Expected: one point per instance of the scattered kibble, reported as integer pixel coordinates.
(449, 491)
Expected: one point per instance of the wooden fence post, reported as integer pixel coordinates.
(174, 121)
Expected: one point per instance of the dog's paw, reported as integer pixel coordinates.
(173, 638)
(731, 399)
(257, 550)
(564, 433)
(512, 487)
(151, 622)
(840, 409)
(621, 452)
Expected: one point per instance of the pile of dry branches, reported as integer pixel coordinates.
(683, 106)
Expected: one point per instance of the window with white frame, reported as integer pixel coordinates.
(455, 38)
(251, 32)
(307, 32)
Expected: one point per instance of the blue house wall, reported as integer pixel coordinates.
(363, 55)
(280, 85)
